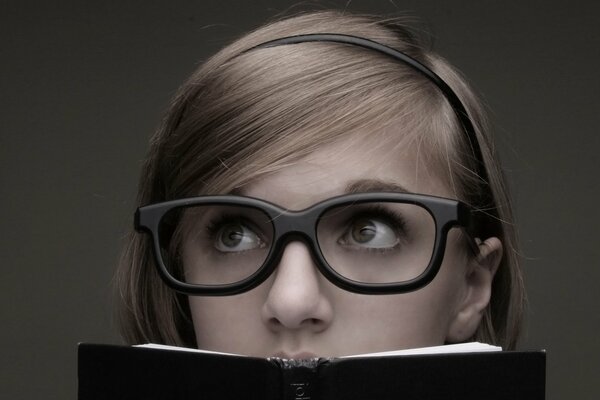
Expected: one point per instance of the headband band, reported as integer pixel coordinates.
(452, 98)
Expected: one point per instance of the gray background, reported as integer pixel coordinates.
(83, 85)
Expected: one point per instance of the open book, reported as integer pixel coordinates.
(470, 347)
(462, 371)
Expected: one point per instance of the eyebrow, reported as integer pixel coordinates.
(237, 191)
(374, 185)
(355, 186)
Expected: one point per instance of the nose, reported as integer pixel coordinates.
(295, 299)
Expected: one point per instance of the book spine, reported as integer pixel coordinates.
(299, 378)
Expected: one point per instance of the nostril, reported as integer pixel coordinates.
(274, 322)
(313, 323)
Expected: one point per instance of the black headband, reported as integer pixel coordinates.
(457, 105)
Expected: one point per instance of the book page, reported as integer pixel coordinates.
(176, 348)
(470, 347)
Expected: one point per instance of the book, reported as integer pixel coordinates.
(464, 371)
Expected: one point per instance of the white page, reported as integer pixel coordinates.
(176, 348)
(470, 347)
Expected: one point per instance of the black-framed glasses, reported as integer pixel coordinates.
(369, 243)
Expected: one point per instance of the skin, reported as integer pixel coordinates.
(297, 313)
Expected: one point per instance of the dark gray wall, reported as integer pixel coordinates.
(84, 85)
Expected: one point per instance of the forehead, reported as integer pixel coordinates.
(364, 162)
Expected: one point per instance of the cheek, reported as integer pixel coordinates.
(416, 319)
(446, 291)
(380, 323)
(226, 324)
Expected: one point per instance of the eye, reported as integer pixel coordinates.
(236, 237)
(370, 233)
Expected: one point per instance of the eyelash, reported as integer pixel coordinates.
(214, 225)
(398, 222)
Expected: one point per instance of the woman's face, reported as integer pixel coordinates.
(297, 313)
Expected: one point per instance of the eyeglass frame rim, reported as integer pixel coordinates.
(446, 214)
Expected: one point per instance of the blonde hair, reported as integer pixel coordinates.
(245, 114)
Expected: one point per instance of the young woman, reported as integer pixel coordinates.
(325, 185)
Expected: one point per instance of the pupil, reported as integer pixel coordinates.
(364, 231)
(232, 236)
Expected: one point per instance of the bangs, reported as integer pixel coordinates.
(268, 108)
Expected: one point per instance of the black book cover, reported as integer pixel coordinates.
(123, 372)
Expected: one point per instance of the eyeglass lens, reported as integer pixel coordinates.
(379, 242)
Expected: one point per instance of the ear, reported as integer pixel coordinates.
(478, 289)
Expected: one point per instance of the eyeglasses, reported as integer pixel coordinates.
(370, 243)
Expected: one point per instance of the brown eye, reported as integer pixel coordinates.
(363, 231)
(371, 233)
(236, 237)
